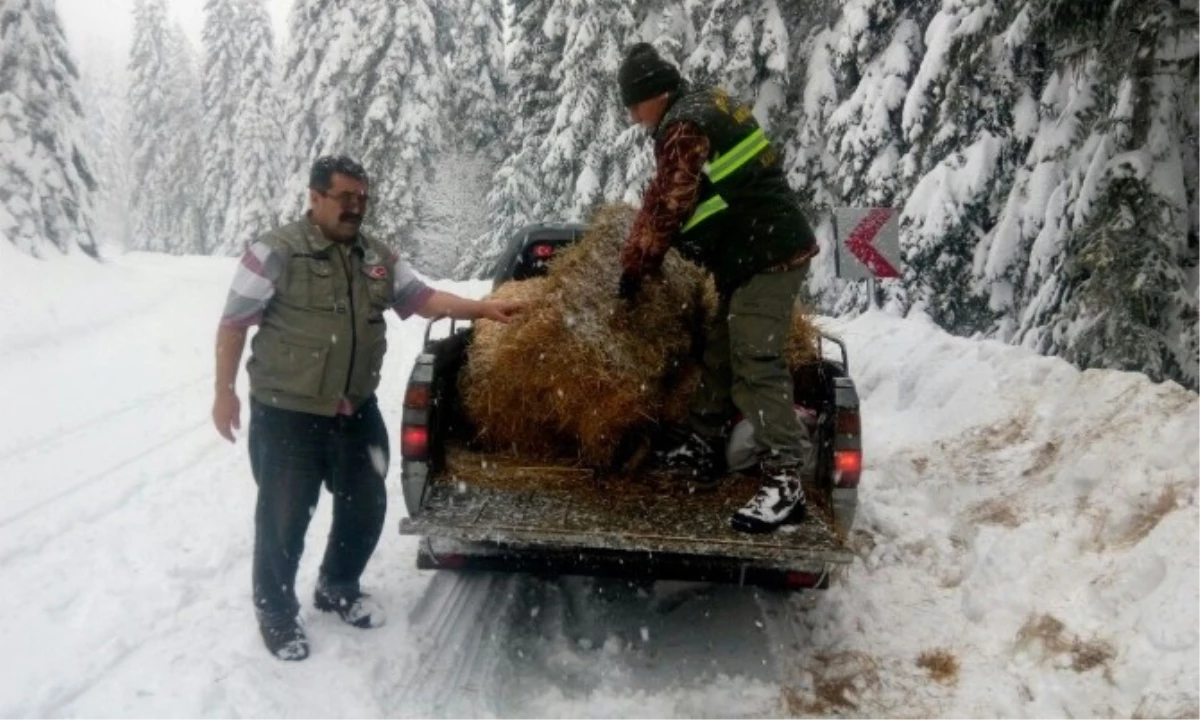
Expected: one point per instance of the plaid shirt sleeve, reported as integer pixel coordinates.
(670, 197)
(409, 294)
(260, 268)
(253, 286)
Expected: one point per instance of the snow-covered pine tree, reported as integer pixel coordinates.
(963, 152)
(1131, 309)
(743, 47)
(477, 135)
(147, 116)
(1025, 244)
(632, 166)
(401, 85)
(476, 87)
(220, 94)
(1188, 105)
(183, 146)
(724, 53)
(773, 53)
(452, 214)
(1112, 274)
(1056, 173)
(847, 139)
(578, 153)
(322, 114)
(667, 25)
(164, 111)
(624, 165)
(515, 198)
(811, 94)
(257, 149)
(45, 183)
(876, 53)
(104, 90)
(1001, 260)
(511, 200)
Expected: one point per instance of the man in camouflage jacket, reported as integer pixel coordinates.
(720, 197)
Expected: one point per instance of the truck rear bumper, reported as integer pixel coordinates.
(447, 554)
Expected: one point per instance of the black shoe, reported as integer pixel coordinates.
(354, 608)
(695, 460)
(286, 641)
(779, 498)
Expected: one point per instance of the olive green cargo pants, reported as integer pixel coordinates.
(745, 368)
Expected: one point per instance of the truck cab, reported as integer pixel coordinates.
(532, 248)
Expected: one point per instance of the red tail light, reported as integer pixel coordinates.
(542, 252)
(417, 396)
(801, 580)
(451, 562)
(414, 442)
(847, 467)
(848, 423)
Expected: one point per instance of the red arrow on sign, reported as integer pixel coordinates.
(860, 239)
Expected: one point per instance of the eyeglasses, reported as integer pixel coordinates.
(348, 199)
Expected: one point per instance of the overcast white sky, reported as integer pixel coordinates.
(90, 23)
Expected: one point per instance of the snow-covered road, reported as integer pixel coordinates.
(1027, 545)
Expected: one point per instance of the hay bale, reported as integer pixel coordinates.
(581, 368)
(804, 342)
(508, 416)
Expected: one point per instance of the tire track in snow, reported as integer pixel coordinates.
(785, 639)
(528, 646)
(35, 541)
(614, 647)
(463, 624)
(128, 573)
(21, 343)
(67, 433)
(92, 480)
(61, 702)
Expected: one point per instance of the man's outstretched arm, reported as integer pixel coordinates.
(411, 296)
(444, 304)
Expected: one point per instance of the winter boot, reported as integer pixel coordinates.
(694, 459)
(780, 497)
(353, 607)
(286, 641)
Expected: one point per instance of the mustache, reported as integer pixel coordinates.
(351, 218)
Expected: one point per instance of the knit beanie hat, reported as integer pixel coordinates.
(643, 75)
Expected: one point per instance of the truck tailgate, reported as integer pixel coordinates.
(487, 498)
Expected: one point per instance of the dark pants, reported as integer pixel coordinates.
(745, 369)
(291, 455)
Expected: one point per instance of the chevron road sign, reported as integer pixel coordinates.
(868, 242)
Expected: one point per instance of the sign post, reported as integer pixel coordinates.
(868, 245)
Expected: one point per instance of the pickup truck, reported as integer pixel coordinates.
(479, 510)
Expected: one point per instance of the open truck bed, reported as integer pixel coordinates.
(499, 513)
(489, 511)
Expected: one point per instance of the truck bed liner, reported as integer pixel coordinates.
(485, 497)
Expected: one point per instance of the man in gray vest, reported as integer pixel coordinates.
(318, 289)
(720, 197)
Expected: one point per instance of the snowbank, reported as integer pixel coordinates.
(1036, 522)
